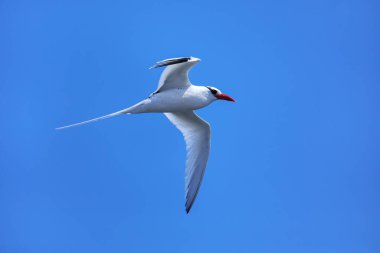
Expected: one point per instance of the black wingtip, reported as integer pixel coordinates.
(171, 61)
(188, 207)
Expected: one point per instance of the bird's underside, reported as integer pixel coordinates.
(176, 97)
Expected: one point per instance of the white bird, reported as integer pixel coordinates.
(177, 98)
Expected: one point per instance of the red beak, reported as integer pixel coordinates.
(224, 97)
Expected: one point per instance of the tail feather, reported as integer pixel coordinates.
(133, 109)
(91, 120)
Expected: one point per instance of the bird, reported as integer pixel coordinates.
(177, 98)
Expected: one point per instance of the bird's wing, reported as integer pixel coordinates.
(176, 73)
(196, 132)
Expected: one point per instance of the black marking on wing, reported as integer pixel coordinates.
(154, 93)
(171, 62)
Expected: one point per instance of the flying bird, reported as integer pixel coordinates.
(177, 99)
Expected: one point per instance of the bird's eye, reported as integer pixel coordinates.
(212, 90)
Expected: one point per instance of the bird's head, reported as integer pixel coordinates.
(217, 94)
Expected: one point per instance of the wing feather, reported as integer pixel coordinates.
(176, 73)
(197, 134)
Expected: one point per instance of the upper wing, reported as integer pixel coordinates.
(175, 74)
(196, 132)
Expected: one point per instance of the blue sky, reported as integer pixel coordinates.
(294, 164)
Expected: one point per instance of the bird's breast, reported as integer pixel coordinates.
(176, 100)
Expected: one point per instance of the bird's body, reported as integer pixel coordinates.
(177, 98)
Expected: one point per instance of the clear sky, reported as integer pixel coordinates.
(294, 163)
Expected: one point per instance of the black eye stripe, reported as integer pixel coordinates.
(212, 90)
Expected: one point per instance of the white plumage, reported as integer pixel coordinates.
(176, 97)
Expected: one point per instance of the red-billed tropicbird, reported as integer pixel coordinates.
(177, 98)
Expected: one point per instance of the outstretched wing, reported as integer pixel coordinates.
(176, 73)
(196, 132)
